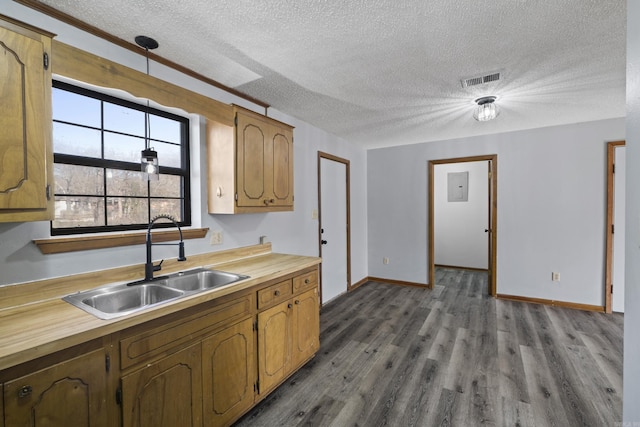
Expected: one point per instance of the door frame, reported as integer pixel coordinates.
(347, 163)
(608, 282)
(493, 215)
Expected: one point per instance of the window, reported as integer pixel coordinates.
(97, 140)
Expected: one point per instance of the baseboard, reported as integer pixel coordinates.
(398, 282)
(358, 284)
(457, 267)
(553, 303)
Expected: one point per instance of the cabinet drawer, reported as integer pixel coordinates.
(139, 348)
(274, 294)
(305, 281)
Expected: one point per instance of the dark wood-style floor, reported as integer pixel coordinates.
(402, 356)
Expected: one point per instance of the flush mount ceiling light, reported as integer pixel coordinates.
(148, 157)
(486, 110)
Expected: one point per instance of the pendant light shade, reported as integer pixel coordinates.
(148, 157)
(149, 164)
(486, 109)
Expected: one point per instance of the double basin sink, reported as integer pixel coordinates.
(115, 300)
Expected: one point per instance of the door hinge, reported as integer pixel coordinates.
(48, 191)
(256, 387)
(236, 197)
(255, 325)
(235, 120)
(107, 363)
(613, 229)
(119, 396)
(613, 168)
(45, 60)
(612, 288)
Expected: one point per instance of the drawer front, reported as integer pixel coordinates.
(274, 294)
(139, 348)
(305, 281)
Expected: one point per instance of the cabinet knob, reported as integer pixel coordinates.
(289, 305)
(306, 281)
(297, 301)
(25, 391)
(277, 293)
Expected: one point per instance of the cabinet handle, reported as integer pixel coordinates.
(289, 305)
(277, 293)
(266, 201)
(25, 391)
(306, 281)
(297, 301)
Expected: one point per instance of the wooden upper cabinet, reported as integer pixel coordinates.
(250, 165)
(26, 158)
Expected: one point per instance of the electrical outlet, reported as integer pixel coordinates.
(216, 238)
(555, 276)
(385, 260)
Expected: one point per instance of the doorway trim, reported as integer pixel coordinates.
(493, 215)
(347, 163)
(608, 282)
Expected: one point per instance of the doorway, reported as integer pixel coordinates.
(490, 228)
(334, 239)
(615, 263)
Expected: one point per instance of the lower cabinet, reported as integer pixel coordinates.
(288, 336)
(70, 393)
(229, 373)
(165, 393)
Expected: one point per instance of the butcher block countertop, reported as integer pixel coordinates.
(35, 321)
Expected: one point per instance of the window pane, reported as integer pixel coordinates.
(167, 186)
(168, 154)
(121, 147)
(123, 119)
(126, 183)
(166, 206)
(165, 129)
(127, 210)
(74, 108)
(81, 180)
(79, 141)
(73, 211)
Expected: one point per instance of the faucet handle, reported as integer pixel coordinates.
(159, 266)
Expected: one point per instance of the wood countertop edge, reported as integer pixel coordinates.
(76, 326)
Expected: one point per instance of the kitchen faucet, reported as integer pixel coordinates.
(149, 268)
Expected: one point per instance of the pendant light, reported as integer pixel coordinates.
(148, 157)
(486, 110)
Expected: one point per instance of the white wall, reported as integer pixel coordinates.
(459, 236)
(551, 208)
(290, 232)
(631, 378)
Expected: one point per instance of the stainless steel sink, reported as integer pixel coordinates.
(111, 301)
(202, 279)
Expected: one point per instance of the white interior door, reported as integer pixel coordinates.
(333, 225)
(617, 296)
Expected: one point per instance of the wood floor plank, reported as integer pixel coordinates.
(403, 356)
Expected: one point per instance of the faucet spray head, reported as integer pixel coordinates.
(181, 256)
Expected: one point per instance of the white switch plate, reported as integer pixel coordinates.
(314, 214)
(216, 238)
(385, 260)
(555, 276)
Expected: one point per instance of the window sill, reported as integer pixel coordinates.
(83, 243)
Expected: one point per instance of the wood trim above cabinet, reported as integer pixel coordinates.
(83, 243)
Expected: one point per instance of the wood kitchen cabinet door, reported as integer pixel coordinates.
(229, 372)
(306, 327)
(166, 393)
(70, 393)
(26, 123)
(265, 161)
(274, 345)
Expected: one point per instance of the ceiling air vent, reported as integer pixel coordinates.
(475, 81)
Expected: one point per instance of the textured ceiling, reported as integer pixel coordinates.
(387, 72)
